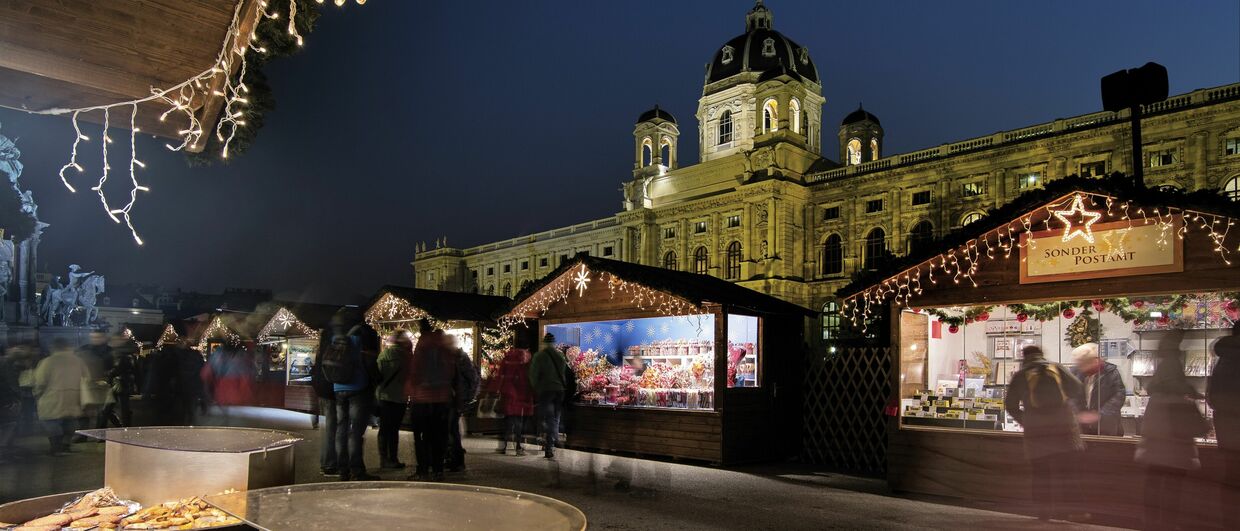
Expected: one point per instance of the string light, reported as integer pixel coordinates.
(218, 329)
(1071, 231)
(391, 309)
(283, 321)
(217, 80)
(169, 335)
(560, 289)
(581, 280)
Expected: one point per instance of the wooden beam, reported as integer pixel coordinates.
(210, 111)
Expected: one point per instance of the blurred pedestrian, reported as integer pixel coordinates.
(1168, 448)
(188, 382)
(325, 395)
(393, 364)
(58, 386)
(10, 405)
(1223, 395)
(353, 376)
(1104, 392)
(159, 385)
(516, 397)
(96, 393)
(25, 359)
(122, 379)
(429, 388)
(230, 375)
(464, 394)
(1039, 399)
(548, 379)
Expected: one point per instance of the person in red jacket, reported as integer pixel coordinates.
(516, 397)
(429, 391)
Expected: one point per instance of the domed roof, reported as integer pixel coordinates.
(761, 49)
(859, 115)
(656, 112)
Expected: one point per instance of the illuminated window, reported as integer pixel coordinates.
(854, 151)
(1162, 157)
(973, 189)
(725, 128)
(921, 198)
(669, 261)
(647, 152)
(794, 111)
(831, 213)
(873, 149)
(1231, 190)
(1093, 169)
(830, 321)
(1231, 147)
(970, 218)
(669, 233)
(701, 263)
(770, 116)
(920, 237)
(833, 255)
(734, 261)
(1028, 181)
(734, 221)
(699, 227)
(875, 246)
(873, 205)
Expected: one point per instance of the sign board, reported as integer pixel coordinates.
(1119, 248)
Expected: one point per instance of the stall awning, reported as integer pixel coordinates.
(399, 303)
(304, 318)
(1076, 238)
(667, 291)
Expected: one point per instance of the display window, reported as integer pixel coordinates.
(742, 351)
(664, 362)
(300, 354)
(956, 363)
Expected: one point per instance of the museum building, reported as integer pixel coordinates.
(772, 207)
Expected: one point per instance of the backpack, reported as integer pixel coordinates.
(1045, 383)
(338, 362)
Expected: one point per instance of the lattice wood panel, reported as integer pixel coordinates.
(844, 398)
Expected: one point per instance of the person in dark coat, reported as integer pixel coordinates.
(465, 391)
(1223, 395)
(1103, 394)
(1039, 398)
(160, 385)
(122, 380)
(1167, 447)
(188, 383)
(325, 395)
(516, 397)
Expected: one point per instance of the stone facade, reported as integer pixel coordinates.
(761, 207)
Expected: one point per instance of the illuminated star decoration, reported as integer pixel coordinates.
(581, 280)
(1083, 230)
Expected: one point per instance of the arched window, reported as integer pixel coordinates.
(804, 125)
(875, 246)
(770, 116)
(830, 321)
(701, 262)
(734, 261)
(874, 149)
(1231, 190)
(669, 261)
(833, 255)
(725, 127)
(508, 289)
(665, 151)
(491, 289)
(647, 152)
(854, 152)
(794, 112)
(920, 237)
(970, 218)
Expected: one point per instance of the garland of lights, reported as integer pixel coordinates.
(559, 290)
(390, 310)
(168, 336)
(1137, 311)
(964, 261)
(217, 329)
(282, 322)
(218, 80)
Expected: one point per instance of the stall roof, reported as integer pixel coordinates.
(447, 305)
(692, 287)
(145, 333)
(1116, 185)
(314, 315)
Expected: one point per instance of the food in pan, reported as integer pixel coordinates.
(193, 513)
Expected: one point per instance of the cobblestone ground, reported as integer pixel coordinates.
(618, 493)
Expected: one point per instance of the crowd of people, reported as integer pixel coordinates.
(1055, 405)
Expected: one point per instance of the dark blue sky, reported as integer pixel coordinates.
(405, 121)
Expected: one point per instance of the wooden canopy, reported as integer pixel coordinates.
(61, 54)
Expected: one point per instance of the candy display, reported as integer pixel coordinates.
(688, 384)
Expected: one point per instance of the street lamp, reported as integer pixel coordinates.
(1130, 89)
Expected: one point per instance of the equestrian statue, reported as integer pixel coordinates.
(61, 301)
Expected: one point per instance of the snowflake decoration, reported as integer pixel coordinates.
(581, 280)
(650, 331)
(1084, 230)
(665, 329)
(607, 338)
(615, 328)
(630, 326)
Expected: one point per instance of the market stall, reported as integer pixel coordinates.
(289, 340)
(229, 331)
(1103, 277)
(671, 363)
(467, 317)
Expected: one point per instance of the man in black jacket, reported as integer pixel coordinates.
(1104, 392)
(326, 397)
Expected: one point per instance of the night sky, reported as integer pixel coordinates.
(405, 121)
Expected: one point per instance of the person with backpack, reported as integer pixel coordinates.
(548, 379)
(353, 377)
(325, 395)
(1039, 398)
(393, 362)
(464, 392)
(429, 389)
(1168, 448)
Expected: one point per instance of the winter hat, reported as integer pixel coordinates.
(549, 338)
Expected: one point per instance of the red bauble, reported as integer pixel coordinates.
(1164, 320)
(1098, 305)
(953, 329)
(1069, 313)
(968, 320)
(1020, 317)
(1138, 304)
(983, 316)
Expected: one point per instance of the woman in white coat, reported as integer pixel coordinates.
(58, 388)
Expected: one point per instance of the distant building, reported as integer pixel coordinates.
(767, 208)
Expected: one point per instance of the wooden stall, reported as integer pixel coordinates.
(671, 363)
(1107, 266)
(468, 317)
(289, 340)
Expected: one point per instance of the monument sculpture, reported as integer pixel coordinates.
(61, 301)
(19, 259)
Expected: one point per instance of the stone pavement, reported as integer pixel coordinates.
(618, 493)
